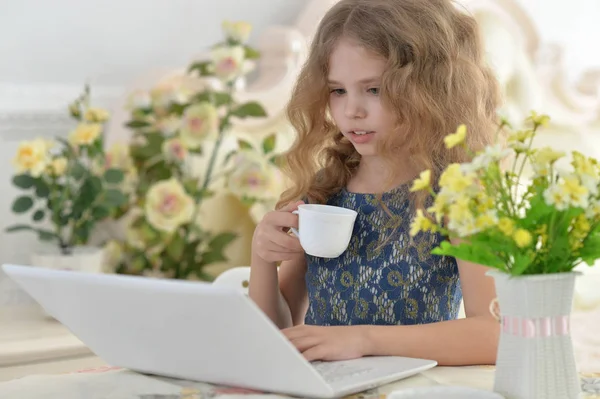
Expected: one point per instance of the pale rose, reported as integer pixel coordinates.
(166, 94)
(237, 31)
(139, 99)
(228, 62)
(58, 166)
(174, 150)
(85, 134)
(168, 206)
(200, 121)
(169, 125)
(254, 177)
(32, 157)
(96, 115)
(118, 156)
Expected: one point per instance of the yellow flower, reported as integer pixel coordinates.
(58, 166)
(98, 115)
(228, 62)
(522, 237)
(200, 121)
(455, 180)
(422, 182)
(506, 226)
(440, 205)
(174, 149)
(85, 134)
(486, 220)
(539, 119)
(543, 158)
(420, 223)
(579, 232)
(168, 205)
(568, 192)
(456, 138)
(118, 156)
(587, 170)
(32, 157)
(238, 31)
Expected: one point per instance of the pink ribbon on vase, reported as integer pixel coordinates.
(536, 327)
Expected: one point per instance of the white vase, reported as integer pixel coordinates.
(535, 354)
(83, 258)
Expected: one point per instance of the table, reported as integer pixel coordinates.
(40, 359)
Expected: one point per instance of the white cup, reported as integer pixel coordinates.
(324, 230)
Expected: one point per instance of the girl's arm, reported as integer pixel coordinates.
(469, 341)
(281, 294)
(472, 340)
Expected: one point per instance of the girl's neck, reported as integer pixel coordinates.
(372, 176)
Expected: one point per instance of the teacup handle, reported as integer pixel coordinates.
(294, 230)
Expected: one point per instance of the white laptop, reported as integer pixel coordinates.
(195, 331)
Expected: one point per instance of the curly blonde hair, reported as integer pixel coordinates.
(435, 79)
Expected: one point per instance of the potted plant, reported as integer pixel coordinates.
(67, 189)
(183, 154)
(532, 233)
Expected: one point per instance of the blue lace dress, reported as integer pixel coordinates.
(382, 278)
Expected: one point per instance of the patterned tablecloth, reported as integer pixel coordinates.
(115, 383)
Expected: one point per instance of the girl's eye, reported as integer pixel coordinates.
(338, 92)
(374, 90)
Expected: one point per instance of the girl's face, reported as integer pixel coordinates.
(356, 107)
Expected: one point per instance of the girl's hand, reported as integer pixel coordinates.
(329, 343)
(271, 240)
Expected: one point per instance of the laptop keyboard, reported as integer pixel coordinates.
(336, 371)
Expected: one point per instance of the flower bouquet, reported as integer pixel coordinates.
(68, 188)
(174, 125)
(533, 233)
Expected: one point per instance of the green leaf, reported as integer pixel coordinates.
(100, 212)
(249, 109)
(176, 246)
(41, 189)
(250, 53)
(268, 143)
(222, 99)
(38, 215)
(591, 249)
(114, 198)
(220, 241)
(467, 252)
(78, 171)
(24, 181)
(216, 246)
(18, 227)
(114, 176)
(45, 235)
(137, 124)
(244, 145)
(203, 68)
(22, 204)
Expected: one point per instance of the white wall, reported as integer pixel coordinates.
(573, 24)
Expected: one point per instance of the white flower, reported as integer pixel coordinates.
(491, 154)
(174, 150)
(237, 31)
(228, 62)
(168, 205)
(254, 177)
(567, 192)
(200, 121)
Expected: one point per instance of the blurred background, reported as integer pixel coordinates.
(544, 53)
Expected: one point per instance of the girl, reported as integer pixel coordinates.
(384, 83)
